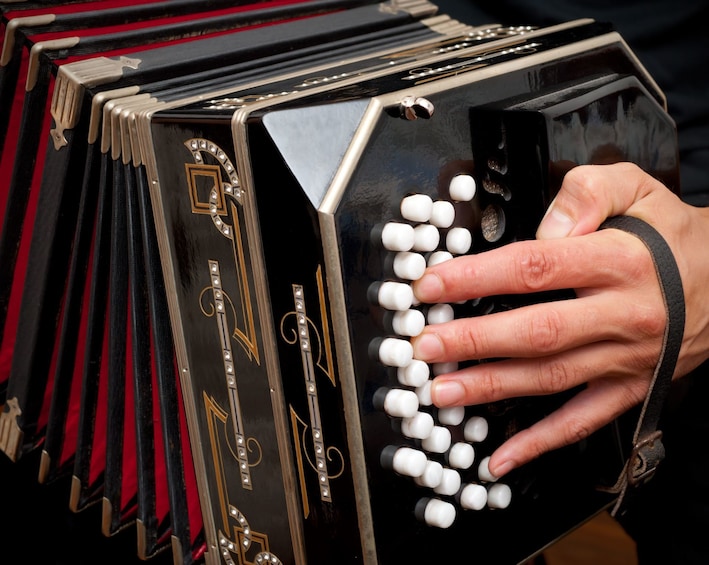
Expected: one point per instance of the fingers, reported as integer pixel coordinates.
(551, 327)
(624, 385)
(533, 266)
(536, 330)
(490, 382)
(589, 194)
(585, 413)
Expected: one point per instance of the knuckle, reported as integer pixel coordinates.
(473, 343)
(633, 267)
(642, 357)
(536, 444)
(555, 376)
(649, 322)
(653, 323)
(583, 185)
(636, 258)
(490, 385)
(576, 430)
(536, 270)
(540, 438)
(576, 176)
(544, 331)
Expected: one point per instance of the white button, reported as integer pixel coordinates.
(484, 473)
(426, 237)
(424, 394)
(395, 352)
(473, 497)
(397, 236)
(408, 322)
(418, 426)
(444, 368)
(417, 207)
(395, 296)
(408, 265)
(415, 374)
(439, 441)
(459, 240)
(452, 415)
(462, 188)
(432, 476)
(439, 513)
(450, 483)
(442, 214)
(438, 257)
(410, 462)
(499, 496)
(401, 403)
(440, 313)
(461, 456)
(476, 429)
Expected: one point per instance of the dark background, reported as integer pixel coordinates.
(36, 525)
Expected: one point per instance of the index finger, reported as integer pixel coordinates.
(533, 266)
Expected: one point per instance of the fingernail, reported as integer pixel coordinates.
(503, 468)
(555, 225)
(428, 288)
(427, 347)
(447, 393)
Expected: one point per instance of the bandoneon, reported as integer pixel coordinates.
(210, 234)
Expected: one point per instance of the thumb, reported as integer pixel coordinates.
(556, 223)
(589, 195)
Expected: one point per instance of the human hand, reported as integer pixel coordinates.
(608, 338)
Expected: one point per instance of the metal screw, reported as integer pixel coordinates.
(411, 108)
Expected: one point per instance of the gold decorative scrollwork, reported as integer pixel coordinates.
(240, 545)
(246, 543)
(208, 308)
(242, 447)
(302, 454)
(291, 336)
(316, 353)
(214, 190)
(324, 359)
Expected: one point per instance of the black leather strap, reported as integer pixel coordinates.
(648, 450)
